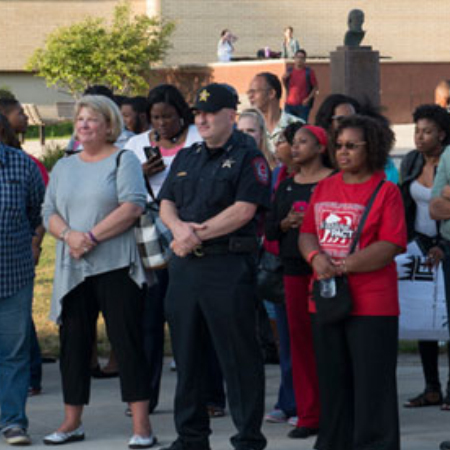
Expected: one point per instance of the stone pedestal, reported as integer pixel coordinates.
(355, 71)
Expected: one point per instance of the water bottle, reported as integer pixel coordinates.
(328, 288)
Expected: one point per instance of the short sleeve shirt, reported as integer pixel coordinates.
(202, 182)
(333, 216)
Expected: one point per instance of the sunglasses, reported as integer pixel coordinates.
(348, 145)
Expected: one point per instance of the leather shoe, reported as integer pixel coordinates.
(302, 432)
(445, 445)
(60, 438)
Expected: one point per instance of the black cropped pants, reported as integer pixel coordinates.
(120, 300)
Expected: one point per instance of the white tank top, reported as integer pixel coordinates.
(424, 223)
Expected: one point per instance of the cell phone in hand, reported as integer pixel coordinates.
(300, 206)
(152, 152)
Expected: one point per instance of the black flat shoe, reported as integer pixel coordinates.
(445, 445)
(302, 432)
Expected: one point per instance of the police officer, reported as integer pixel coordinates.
(209, 201)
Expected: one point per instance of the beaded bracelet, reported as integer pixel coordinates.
(93, 238)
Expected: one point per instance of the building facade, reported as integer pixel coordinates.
(401, 30)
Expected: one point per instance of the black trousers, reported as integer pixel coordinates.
(213, 298)
(120, 300)
(429, 355)
(356, 365)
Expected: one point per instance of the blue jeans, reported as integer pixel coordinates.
(298, 111)
(286, 396)
(15, 327)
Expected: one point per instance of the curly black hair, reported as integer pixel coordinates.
(435, 114)
(290, 130)
(326, 110)
(168, 93)
(377, 135)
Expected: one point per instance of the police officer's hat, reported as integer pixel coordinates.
(214, 97)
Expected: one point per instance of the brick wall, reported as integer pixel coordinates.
(406, 30)
(24, 24)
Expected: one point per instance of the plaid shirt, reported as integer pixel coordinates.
(21, 196)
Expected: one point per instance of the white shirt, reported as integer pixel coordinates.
(138, 142)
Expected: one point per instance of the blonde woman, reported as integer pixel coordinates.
(251, 121)
(91, 204)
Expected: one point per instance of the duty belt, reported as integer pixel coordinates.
(233, 245)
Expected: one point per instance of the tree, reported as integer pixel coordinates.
(91, 52)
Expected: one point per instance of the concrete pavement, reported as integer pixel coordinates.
(108, 429)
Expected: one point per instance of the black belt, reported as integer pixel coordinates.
(233, 245)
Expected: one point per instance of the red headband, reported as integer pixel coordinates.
(319, 133)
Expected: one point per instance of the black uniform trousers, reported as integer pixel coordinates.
(121, 301)
(356, 365)
(212, 297)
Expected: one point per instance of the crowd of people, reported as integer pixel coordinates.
(324, 198)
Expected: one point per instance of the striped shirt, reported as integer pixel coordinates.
(21, 197)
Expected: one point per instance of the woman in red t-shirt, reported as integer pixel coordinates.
(357, 357)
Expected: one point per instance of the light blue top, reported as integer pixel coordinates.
(440, 180)
(83, 194)
(391, 171)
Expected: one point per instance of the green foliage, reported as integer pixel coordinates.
(91, 52)
(51, 155)
(57, 130)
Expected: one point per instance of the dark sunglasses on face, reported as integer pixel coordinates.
(348, 145)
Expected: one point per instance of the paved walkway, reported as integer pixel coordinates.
(108, 429)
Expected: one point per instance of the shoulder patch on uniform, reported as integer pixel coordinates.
(261, 170)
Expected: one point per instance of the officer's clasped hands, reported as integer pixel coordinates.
(185, 239)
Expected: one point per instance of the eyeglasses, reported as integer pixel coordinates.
(338, 118)
(348, 145)
(254, 91)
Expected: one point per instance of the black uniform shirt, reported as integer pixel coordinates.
(203, 182)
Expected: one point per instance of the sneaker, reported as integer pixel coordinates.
(16, 436)
(137, 441)
(292, 421)
(445, 445)
(276, 416)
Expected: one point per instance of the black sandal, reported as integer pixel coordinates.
(427, 398)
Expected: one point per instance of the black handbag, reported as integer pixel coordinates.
(269, 278)
(334, 308)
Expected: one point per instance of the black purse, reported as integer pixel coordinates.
(269, 278)
(334, 308)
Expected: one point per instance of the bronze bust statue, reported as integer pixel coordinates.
(355, 33)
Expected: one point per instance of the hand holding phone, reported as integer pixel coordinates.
(300, 206)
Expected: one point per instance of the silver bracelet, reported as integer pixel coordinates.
(64, 233)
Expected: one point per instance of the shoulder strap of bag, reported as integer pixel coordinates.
(119, 157)
(364, 217)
